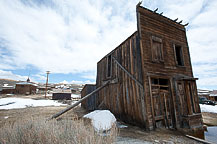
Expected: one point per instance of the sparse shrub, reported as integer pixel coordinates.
(38, 131)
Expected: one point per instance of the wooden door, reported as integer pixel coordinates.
(162, 107)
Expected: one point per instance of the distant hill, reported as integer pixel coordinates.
(7, 81)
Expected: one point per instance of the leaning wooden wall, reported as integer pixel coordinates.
(123, 96)
(89, 103)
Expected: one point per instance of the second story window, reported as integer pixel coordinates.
(157, 49)
(178, 55)
(109, 66)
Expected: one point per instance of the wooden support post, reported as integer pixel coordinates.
(48, 72)
(152, 105)
(173, 104)
(78, 102)
(166, 112)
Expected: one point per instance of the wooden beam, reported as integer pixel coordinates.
(129, 74)
(175, 121)
(198, 139)
(186, 24)
(155, 10)
(180, 22)
(78, 102)
(152, 105)
(166, 112)
(175, 20)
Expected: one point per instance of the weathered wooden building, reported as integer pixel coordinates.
(61, 94)
(213, 95)
(25, 88)
(8, 90)
(149, 76)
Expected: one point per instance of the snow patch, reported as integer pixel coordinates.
(14, 103)
(101, 119)
(75, 96)
(119, 125)
(49, 95)
(6, 117)
(208, 108)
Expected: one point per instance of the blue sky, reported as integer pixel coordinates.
(68, 37)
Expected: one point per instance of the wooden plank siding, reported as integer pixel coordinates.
(123, 98)
(90, 103)
(170, 33)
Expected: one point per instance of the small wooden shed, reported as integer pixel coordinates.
(61, 94)
(151, 83)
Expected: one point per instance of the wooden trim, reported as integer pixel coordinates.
(166, 112)
(152, 108)
(186, 86)
(107, 67)
(174, 119)
(159, 40)
(182, 55)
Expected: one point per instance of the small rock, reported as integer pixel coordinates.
(167, 142)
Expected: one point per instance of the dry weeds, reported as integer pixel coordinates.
(38, 131)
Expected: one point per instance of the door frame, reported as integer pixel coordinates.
(171, 94)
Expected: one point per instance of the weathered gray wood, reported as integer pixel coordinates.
(152, 107)
(130, 75)
(78, 102)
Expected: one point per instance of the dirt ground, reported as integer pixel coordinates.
(209, 119)
(130, 134)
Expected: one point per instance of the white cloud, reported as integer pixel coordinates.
(10, 75)
(64, 82)
(69, 37)
(40, 77)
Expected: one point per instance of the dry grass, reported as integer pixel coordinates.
(38, 131)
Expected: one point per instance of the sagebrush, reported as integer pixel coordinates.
(40, 131)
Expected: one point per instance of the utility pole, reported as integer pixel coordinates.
(48, 72)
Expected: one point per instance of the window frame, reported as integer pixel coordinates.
(160, 59)
(182, 56)
(109, 69)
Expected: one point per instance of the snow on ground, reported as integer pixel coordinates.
(48, 95)
(75, 96)
(14, 103)
(208, 108)
(101, 119)
(119, 125)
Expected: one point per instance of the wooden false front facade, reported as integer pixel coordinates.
(151, 78)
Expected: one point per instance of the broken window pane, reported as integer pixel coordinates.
(179, 55)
